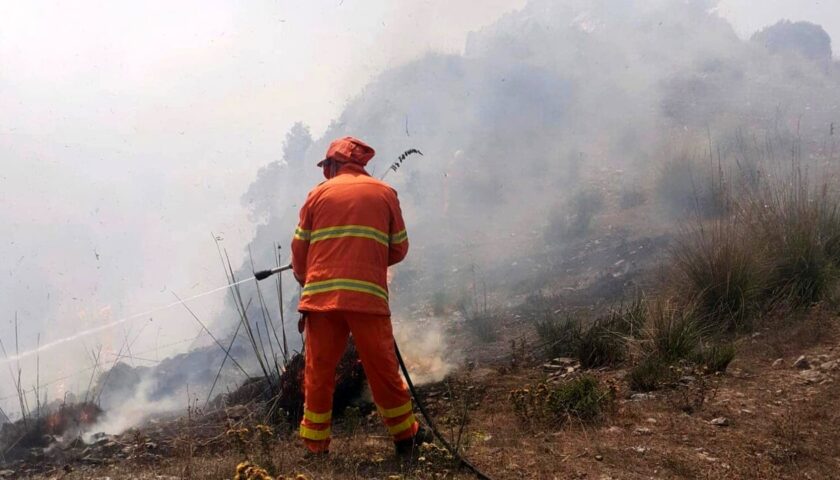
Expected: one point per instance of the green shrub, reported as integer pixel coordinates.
(559, 335)
(600, 345)
(582, 399)
(649, 374)
(716, 358)
(630, 319)
(673, 332)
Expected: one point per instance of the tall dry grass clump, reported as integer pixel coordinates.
(673, 332)
(720, 269)
(778, 249)
(801, 228)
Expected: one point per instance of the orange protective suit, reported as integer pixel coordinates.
(351, 229)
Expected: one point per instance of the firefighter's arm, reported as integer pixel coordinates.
(398, 247)
(300, 243)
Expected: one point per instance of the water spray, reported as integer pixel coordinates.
(261, 275)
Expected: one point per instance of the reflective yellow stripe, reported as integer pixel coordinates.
(396, 411)
(340, 231)
(312, 434)
(399, 237)
(317, 417)
(402, 426)
(314, 288)
(302, 234)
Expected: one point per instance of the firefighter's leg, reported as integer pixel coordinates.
(375, 344)
(326, 339)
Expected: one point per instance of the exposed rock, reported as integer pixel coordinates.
(829, 366)
(7, 473)
(720, 422)
(811, 376)
(778, 362)
(564, 361)
(802, 363)
(642, 431)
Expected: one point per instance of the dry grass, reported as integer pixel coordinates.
(720, 270)
(778, 429)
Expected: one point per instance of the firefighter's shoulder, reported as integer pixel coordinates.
(381, 184)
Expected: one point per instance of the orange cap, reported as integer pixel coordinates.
(349, 150)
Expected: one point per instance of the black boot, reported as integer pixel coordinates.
(309, 455)
(411, 446)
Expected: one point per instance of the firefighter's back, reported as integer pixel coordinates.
(351, 220)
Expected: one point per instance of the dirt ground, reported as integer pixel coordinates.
(763, 419)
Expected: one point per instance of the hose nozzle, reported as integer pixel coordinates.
(263, 274)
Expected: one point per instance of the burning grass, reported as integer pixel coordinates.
(67, 421)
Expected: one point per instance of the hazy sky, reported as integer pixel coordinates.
(129, 131)
(747, 16)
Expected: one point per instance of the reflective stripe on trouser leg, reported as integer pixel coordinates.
(400, 420)
(315, 429)
(403, 427)
(326, 339)
(375, 343)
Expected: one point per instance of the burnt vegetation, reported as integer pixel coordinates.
(663, 244)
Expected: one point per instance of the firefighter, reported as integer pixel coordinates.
(350, 231)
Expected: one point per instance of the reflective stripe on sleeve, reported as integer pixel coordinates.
(399, 237)
(301, 234)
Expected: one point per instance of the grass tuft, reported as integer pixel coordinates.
(558, 334)
(673, 331)
(802, 229)
(649, 374)
(600, 345)
(715, 359)
(720, 272)
(581, 398)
